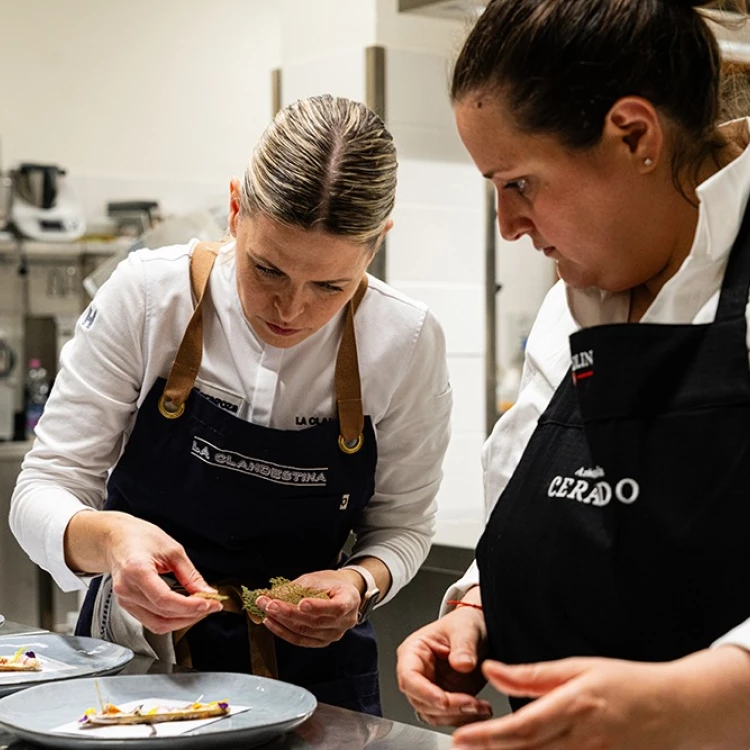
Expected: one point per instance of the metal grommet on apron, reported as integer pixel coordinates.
(351, 446)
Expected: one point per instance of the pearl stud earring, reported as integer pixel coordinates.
(648, 161)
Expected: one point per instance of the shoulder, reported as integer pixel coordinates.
(168, 259)
(165, 271)
(400, 334)
(393, 308)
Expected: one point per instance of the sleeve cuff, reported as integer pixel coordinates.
(739, 636)
(459, 588)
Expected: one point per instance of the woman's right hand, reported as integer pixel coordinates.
(136, 553)
(439, 669)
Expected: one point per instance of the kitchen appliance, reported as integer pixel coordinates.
(8, 360)
(44, 205)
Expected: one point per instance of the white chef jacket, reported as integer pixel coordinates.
(690, 296)
(128, 338)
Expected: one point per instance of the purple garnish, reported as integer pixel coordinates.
(83, 719)
(30, 654)
(223, 706)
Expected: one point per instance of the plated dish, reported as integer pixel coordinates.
(271, 708)
(58, 657)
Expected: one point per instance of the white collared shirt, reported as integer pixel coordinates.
(690, 296)
(128, 338)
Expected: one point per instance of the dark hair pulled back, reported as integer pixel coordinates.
(560, 65)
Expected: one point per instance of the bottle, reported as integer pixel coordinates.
(37, 391)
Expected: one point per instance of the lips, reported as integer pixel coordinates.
(281, 331)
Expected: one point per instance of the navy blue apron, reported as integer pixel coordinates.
(624, 530)
(249, 503)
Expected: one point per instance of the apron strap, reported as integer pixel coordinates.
(184, 370)
(186, 364)
(348, 386)
(261, 639)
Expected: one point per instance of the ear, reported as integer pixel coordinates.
(234, 205)
(387, 228)
(635, 129)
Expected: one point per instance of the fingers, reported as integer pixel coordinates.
(458, 710)
(533, 680)
(187, 575)
(156, 622)
(541, 724)
(530, 728)
(310, 637)
(419, 657)
(313, 623)
(141, 591)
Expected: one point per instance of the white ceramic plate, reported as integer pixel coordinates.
(2, 619)
(82, 656)
(275, 707)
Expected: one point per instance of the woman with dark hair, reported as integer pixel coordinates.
(610, 582)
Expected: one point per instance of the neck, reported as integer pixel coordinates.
(683, 220)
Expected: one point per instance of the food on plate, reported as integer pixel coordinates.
(281, 588)
(111, 714)
(21, 661)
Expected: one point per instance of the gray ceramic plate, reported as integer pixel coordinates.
(276, 707)
(85, 656)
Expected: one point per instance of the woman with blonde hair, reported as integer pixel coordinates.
(229, 414)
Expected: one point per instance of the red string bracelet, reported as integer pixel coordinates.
(457, 603)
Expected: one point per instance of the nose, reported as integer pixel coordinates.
(511, 219)
(289, 304)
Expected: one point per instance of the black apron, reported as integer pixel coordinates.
(624, 530)
(249, 503)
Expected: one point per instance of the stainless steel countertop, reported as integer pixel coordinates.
(329, 728)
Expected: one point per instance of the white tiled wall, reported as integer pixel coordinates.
(140, 99)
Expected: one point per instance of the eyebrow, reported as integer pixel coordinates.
(492, 172)
(263, 261)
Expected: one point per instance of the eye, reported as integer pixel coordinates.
(520, 186)
(264, 271)
(332, 288)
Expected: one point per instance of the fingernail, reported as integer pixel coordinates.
(272, 608)
(305, 606)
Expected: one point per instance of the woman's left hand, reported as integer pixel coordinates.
(697, 702)
(315, 623)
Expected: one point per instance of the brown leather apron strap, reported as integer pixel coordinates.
(262, 645)
(186, 364)
(348, 386)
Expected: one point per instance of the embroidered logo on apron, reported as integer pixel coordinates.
(271, 472)
(582, 365)
(584, 488)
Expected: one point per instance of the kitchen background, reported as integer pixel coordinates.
(154, 106)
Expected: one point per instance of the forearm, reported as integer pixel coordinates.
(88, 540)
(715, 693)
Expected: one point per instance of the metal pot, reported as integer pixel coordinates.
(37, 183)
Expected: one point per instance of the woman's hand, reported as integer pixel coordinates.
(438, 669)
(315, 623)
(136, 553)
(701, 701)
